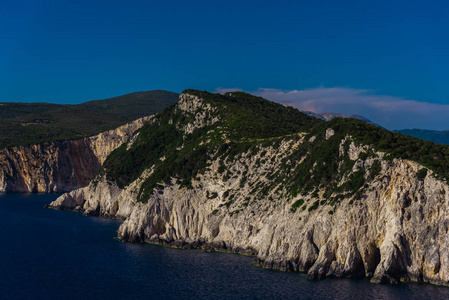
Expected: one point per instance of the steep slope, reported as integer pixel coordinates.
(440, 137)
(35, 123)
(60, 166)
(237, 173)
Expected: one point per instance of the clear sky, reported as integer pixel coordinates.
(73, 51)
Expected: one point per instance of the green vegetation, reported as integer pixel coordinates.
(211, 196)
(324, 167)
(433, 156)
(247, 116)
(355, 182)
(297, 204)
(183, 158)
(244, 119)
(314, 205)
(247, 124)
(375, 169)
(421, 174)
(35, 123)
(132, 106)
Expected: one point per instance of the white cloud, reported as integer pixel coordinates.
(388, 111)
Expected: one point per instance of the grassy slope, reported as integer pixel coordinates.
(132, 106)
(243, 118)
(64, 122)
(249, 122)
(322, 156)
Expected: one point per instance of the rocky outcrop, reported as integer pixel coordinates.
(397, 231)
(60, 166)
(374, 216)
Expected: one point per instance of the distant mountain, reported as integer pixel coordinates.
(329, 116)
(440, 137)
(34, 123)
(132, 106)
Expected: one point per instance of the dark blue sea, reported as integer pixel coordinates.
(48, 254)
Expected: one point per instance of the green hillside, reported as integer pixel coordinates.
(132, 106)
(243, 119)
(237, 124)
(33, 123)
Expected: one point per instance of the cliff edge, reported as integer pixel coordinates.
(236, 173)
(60, 166)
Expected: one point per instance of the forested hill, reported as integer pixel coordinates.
(193, 132)
(188, 134)
(236, 172)
(34, 123)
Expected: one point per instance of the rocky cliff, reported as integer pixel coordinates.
(60, 166)
(319, 201)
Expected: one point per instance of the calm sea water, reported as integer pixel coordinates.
(47, 254)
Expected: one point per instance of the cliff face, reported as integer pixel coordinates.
(375, 216)
(60, 166)
(397, 231)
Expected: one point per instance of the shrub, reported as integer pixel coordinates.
(221, 169)
(375, 169)
(214, 195)
(297, 204)
(314, 205)
(295, 193)
(421, 174)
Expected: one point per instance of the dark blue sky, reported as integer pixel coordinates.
(73, 51)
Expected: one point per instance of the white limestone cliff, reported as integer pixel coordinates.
(60, 166)
(395, 229)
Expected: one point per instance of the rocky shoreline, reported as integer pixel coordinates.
(392, 227)
(389, 240)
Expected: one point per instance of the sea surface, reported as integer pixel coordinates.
(48, 254)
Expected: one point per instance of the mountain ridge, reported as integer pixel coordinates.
(34, 123)
(327, 116)
(440, 137)
(332, 199)
(61, 159)
(60, 166)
